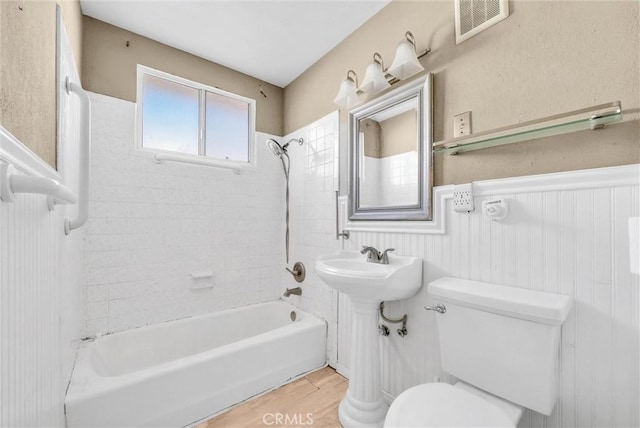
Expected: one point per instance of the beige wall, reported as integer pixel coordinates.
(28, 74)
(399, 134)
(28, 70)
(109, 68)
(390, 137)
(548, 57)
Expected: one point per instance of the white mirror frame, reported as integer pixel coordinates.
(422, 88)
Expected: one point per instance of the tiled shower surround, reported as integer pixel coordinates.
(313, 182)
(152, 225)
(391, 180)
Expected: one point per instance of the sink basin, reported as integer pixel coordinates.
(350, 273)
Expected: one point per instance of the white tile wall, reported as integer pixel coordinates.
(401, 184)
(370, 182)
(566, 233)
(390, 181)
(151, 225)
(313, 181)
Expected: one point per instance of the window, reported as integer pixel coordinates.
(185, 117)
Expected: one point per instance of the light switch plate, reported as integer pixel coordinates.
(462, 124)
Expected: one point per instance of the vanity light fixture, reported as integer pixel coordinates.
(376, 79)
(348, 94)
(405, 64)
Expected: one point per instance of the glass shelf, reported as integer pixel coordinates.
(598, 117)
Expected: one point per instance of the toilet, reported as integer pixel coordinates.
(501, 343)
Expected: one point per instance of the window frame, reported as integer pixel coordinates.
(202, 90)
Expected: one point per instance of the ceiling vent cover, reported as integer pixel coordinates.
(474, 16)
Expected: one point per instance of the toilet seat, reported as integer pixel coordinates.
(445, 405)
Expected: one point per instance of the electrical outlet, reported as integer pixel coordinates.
(462, 124)
(463, 198)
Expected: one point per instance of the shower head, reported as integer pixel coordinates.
(279, 150)
(275, 147)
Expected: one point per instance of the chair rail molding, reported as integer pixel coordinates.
(614, 176)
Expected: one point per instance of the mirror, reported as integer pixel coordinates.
(390, 147)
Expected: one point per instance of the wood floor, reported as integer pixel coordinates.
(311, 401)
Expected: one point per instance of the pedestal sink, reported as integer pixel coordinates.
(367, 284)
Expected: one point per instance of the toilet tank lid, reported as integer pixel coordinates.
(512, 301)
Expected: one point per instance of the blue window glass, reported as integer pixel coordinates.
(169, 116)
(227, 128)
(190, 118)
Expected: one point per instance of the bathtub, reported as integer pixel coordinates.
(179, 372)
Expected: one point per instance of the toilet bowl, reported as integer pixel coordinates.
(501, 343)
(445, 405)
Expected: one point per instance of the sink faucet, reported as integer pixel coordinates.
(375, 256)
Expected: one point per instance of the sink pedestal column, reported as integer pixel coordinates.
(364, 404)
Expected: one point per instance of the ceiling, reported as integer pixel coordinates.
(274, 41)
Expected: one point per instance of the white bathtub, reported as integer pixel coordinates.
(178, 372)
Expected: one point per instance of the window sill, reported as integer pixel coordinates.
(200, 160)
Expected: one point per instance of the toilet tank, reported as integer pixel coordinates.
(503, 340)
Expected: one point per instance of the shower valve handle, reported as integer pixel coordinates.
(298, 271)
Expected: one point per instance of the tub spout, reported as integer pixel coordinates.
(297, 291)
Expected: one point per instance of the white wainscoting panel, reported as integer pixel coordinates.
(566, 233)
(31, 389)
